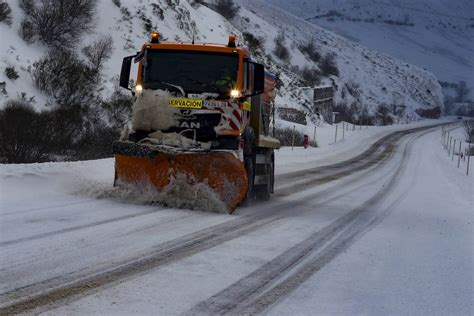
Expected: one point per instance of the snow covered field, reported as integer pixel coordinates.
(389, 233)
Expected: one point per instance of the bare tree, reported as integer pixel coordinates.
(328, 65)
(99, 52)
(57, 23)
(310, 50)
(383, 114)
(66, 78)
(311, 76)
(281, 51)
(18, 133)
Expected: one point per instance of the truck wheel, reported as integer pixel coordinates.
(249, 138)
(250, 167)
(264, 191)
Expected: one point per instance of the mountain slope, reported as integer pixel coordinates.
(432, 34)
(380, 78)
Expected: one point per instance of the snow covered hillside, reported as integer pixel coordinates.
(378, 78)
(432, 34)
(129, 25)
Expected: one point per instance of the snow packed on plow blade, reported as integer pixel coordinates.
(144, 165)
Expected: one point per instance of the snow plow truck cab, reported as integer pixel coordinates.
(201, 111)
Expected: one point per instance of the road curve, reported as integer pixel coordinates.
(55, 291)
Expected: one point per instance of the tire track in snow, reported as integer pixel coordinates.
(50, 207)
(75, 228)
(256, 292)
(59, 289)
(381, 148)
(73, 284)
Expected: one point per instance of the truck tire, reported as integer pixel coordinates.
(264, 191)
(249, 163)
(249, 139)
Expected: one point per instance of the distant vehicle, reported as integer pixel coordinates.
(459, 117)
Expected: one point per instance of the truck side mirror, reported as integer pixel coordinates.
(125, 72)
(258, 79)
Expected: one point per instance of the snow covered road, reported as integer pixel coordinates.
(83, 255)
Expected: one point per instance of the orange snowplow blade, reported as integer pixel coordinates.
(142, 165)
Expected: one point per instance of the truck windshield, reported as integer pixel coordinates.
(193, 72)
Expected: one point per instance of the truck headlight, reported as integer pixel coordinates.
(234, 93)
(139, 88)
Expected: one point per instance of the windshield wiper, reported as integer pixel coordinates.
(179, 88)
(215, 87)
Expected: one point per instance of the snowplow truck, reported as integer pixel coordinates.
(201, 113)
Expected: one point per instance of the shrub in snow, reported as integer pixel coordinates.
(3, 88)
(18, 133)
(227, 8)
(201, 2)
(11, 73)
(57, 23)
(117, 3)
(157, 11)
(99, 52)
(118, 108)
(60, 134)
(433, 113)
(353, 113)
(310, 50)
(353, 88)
(75, 128)
(5, 13)
(127, 16)
(281, 51)
(383, 115)
(285, 136)
(252, 41)
(77, 134)
(328, 65)
(66, 78)
(147, 23)
(311, 76)
(69, 80)
(96, 143)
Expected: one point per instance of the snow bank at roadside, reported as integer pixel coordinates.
(76, 181)
(335, 148)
